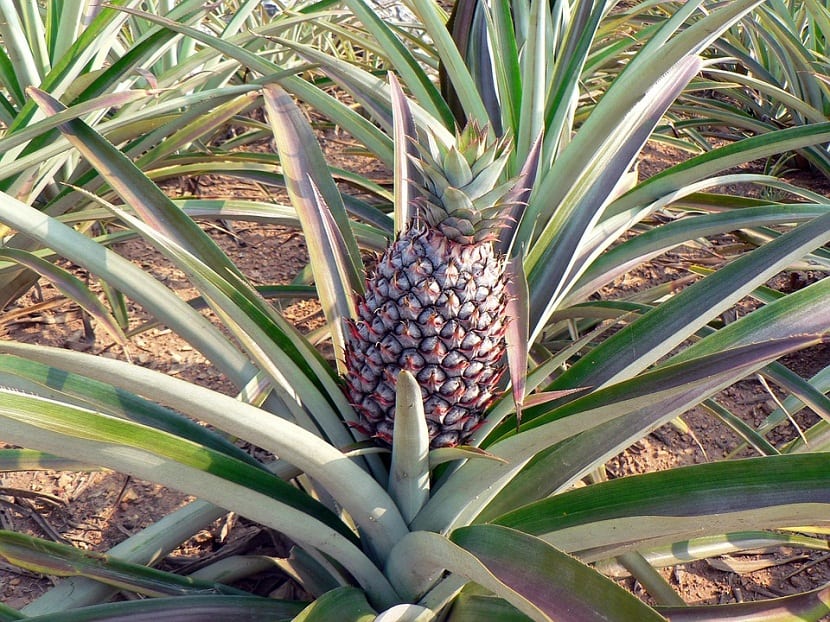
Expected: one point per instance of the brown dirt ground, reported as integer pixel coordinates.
(96, 510)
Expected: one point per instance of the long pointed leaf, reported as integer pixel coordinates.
(554, 581)
(31, 460)
(403, 61)
(801, 312)
(56, 419)
(667, 325)
(180, 609)
(659, 508)
(649, 244)
(516, 200)
(273, 344)
(517, 331)
(456, 70)
(720, 159)
(302, 160)
(53, 558)
(714, 546)
(405, 173)
(372, 509)
(409, 472)
(135, 189)
(534, 78)
(530, 574)
(154, 455)
(146, 547)
(130, 279)
(809, 606)
(67, 386)
(552, 262)
(71, 286)
(649, 396)
(335, 257)
(344, 116)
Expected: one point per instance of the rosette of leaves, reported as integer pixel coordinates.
(767, 72)
(500, 528)
(167, 101)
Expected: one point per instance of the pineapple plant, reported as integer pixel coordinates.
(505, 531)
(435, 303)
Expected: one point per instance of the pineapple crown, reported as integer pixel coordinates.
(462, 192)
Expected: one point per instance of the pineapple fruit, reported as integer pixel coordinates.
(435, 303)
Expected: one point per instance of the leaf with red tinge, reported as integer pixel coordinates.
(558, 585)
(544, 397)
(516, 200)
(335, 247)
(149, 76)
(302, 161)
(405, 138)
(517, 330)
(335, 257)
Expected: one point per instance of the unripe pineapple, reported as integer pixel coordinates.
(435, 304)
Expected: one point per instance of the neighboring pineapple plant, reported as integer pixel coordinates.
(435, 304)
